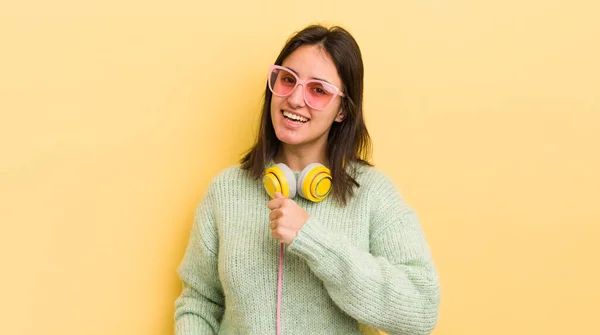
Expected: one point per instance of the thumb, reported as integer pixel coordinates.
(279, 195)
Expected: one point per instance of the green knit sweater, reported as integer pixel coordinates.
(349, 270)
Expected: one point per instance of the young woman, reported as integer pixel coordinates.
(355, 255)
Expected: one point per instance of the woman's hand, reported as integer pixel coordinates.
(286, 218)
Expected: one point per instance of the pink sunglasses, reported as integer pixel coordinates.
(318, 94)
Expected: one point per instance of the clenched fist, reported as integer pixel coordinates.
(286, 218)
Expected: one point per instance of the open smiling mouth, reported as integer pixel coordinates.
(294, 117)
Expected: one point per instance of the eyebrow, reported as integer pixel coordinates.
(321, 79)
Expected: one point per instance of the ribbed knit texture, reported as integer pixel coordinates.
(350, 270)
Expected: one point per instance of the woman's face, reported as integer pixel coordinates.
(308, 62)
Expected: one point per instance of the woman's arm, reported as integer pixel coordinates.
(393, 288)
(199, 308)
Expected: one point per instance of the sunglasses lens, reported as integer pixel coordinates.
(282, 82)
(318, 94)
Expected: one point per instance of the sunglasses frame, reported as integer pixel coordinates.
(299, 81)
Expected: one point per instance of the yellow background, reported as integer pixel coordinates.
(116, 114)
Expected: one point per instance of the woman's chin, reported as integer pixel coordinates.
(289, 138)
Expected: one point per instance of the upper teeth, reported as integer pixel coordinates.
(295, 117)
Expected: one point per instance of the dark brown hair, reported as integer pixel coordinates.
(348, 142)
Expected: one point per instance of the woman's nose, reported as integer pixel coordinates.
(296, 98)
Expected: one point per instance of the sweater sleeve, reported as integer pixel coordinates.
(395, 286)
(200, 306)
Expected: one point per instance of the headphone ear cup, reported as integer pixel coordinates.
(289, 174)
(280, 178)
(314, 182)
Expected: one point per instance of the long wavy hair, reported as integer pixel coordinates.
(348, 142)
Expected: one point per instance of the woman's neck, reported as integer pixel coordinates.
(296, 158)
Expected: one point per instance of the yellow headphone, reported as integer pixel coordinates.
(314, 182)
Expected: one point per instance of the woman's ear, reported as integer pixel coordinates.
(340, 115)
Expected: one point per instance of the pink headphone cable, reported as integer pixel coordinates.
(279, 288)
